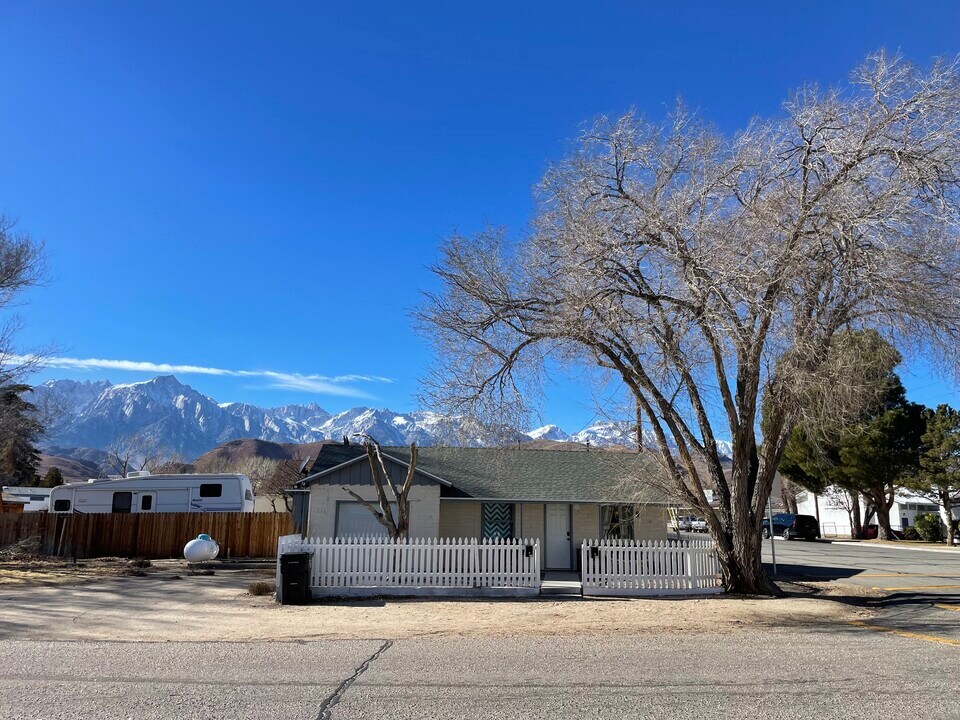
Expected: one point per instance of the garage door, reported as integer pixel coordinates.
(354, 520)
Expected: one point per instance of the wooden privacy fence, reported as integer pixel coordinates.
(650, 567)
(146, 535)
(426, 566)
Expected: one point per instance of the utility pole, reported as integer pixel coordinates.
(773, 542)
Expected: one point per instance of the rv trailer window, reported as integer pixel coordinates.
(247, 495)
(61, 505)
(146, 502)
(122, 502)
(211, 490)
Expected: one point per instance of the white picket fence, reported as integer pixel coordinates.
(650, 567)
(419, 566)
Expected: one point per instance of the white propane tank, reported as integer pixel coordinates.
(201, 549)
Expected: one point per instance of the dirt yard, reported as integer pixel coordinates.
(167, 604)
(56, 571)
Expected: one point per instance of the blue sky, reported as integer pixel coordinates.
(260, 188)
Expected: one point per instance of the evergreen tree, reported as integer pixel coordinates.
(19, 433)
(939, 476)
(52, 479)
(861, 362)
(883, 453)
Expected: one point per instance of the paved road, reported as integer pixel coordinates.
(875, 566)
(922, 588)
(783, 673)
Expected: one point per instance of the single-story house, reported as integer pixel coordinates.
(560, 497)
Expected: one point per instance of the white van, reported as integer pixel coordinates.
(141, 492)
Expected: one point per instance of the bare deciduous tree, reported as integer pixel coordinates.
(789, 491)
(131, 453)
(710, 273)
(398, 526)
(22, 266)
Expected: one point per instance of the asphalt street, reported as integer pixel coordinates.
(905, 659)
(921, 588)
(894, 569)
(774, 674)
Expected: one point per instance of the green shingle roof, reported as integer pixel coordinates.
(518, 474)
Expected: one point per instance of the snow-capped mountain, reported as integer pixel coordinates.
(549, 432)
(725, 448)
(161, 413)
(165, 416)
(604, 433)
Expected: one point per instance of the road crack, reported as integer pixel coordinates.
(335, 697)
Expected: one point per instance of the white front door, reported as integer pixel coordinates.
(558, 536)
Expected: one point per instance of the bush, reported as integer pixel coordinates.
(260, 587)
(911, 533)
(929, 527)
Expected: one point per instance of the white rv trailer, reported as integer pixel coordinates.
(142, 492)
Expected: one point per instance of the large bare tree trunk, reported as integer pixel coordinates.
(740, 564)
(856, 524)
(788, 493)
(885, 531)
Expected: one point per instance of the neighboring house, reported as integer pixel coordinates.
(559, 497)
(33, 499)
(835, 520)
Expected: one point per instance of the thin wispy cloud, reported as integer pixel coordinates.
(341, 385)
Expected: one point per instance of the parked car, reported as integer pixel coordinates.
(699, 525)
(790, 526)
(685, 523)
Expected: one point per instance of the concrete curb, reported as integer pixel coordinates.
(896, 547)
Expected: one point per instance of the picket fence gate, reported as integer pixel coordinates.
(418, 566)
(650, 567)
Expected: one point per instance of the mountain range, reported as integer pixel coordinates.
(168, 416)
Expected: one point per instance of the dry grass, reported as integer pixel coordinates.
(25, 569)
(261, 587)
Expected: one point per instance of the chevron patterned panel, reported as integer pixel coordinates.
(497, 520)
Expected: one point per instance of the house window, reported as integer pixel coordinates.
(211, 489)
(354, 520)
(122, 502)
(498, 520)
(617, 521)
(61, 506)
